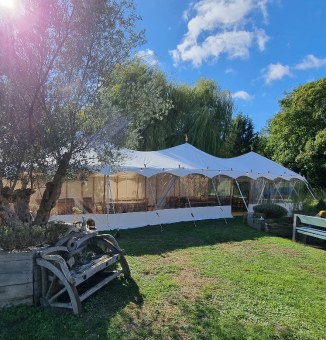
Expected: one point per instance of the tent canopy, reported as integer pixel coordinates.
(185, 159)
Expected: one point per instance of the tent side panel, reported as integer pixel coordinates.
(141, 219)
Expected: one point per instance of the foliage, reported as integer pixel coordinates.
(160, 114)
(54, 58)
(24, 236)
(210, 117)
(213, 281)
(312, 207)
(270, 210)
(298, 132)
(241, 137)
(139, 93)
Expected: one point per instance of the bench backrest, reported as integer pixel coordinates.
(316, 221)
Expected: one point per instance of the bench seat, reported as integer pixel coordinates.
(309, 226)
(312, 232)
(77, 266)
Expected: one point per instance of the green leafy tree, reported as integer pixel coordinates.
(241, 137)
(210, 117)
(160, 114)
(297, 133)
(54, 58)
(140, 94)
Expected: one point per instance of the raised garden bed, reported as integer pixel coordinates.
(278, 226)
(19, 278)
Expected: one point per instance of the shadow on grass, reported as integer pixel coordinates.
(29, 322)
(153, 240)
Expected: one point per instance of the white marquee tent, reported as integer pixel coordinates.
(185, 159)
(181, 183)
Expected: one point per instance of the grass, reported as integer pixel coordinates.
(212, 281)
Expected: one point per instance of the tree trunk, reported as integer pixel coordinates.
(8, 217)
(22, 199)
(52, 191)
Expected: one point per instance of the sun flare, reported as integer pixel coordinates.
(8, 4)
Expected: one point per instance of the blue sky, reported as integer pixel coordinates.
(256, 49)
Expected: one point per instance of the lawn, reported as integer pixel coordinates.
(209, 281)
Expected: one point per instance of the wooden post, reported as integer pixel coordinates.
(104, 191)
(295, 218)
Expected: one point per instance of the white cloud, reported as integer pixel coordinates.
(229, 71)
(234, 44)
(276, 72)
(242, 95)
(220, 26)
(262, 5)
(310, 61)
(148, 56)
(262, 39)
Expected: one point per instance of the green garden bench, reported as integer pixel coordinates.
(309, 226)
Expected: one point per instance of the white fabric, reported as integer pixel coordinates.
(140, 219)
(185, 159)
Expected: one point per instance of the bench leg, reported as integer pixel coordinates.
(294, 227)
(71, 289)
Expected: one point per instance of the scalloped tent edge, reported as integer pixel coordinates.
(185, 159)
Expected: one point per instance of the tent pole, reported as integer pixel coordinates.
(154, 199)
(310, 190)
(168, 186)
(277, 187)
(110, 197)
(279, 193)
(218, 199)
(293, 189)
(260, 197)
(190, 204)
(244, 201)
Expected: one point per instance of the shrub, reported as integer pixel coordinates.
(312, 206)
(321, 205)
(25, 236)
(270, 210)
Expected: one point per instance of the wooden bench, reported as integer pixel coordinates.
(306, 226)
(77, 266)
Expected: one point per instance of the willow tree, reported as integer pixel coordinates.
(55, 56)
(200, 114)
(210, 117)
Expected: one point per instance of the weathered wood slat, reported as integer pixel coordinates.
(16, 278)
(37, 281)
(16, 294)
(12, 302)
(12, 256)
(9, 267)
(96, 266)
(99, 285)
(61, 305)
